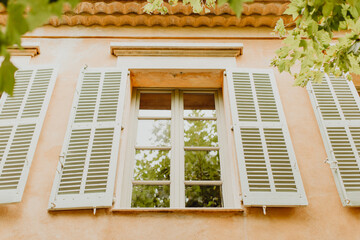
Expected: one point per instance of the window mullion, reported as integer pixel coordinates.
(182, 151)
(174, 153)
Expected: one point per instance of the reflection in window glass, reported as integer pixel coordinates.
(203, 196)
(153, 133)
(152, 165)
(200, 133)
(150, 196)
(199, 105)
(155, 104)
(202, 165)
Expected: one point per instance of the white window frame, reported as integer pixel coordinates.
(177, 182)
(167, 63)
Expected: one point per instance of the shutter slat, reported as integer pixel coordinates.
(340, 129)
(85, 175)
(21, 118)
(267, 164)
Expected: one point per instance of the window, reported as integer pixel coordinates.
(175, 155)
(167, 137)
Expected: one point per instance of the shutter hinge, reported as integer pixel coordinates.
(53, 205)
(232, 128)
(264, 210)
(224, 73)
(347, 201)
(122, 127)
(333, 164)
(128, 73)
(61, 158)
(86, 66)
(295, 165)
(94, 211)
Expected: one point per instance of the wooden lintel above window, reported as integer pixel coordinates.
(28, 49)
(167, 49)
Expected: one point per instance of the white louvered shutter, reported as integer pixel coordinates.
(267, 165)
(21, 119)
(337, 109)
(85, 174)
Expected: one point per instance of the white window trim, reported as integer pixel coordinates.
(170, 55)
(176, 62)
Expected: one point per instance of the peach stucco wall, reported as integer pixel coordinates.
(323, 218)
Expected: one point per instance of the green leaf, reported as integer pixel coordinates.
(327, 8)
(16, 24)
(7, 73)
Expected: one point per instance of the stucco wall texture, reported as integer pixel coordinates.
(323, 218)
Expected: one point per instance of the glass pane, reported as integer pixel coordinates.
(203, 196)
(153, 133)
(155, 104)
(202, 165)
(150, 196)
(199, 105)
(200, 133)
(152, 165)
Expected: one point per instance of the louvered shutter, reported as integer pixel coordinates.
(21, 119)
(267, 165)
(337, 109)
(85, 174)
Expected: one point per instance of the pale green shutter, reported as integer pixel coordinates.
(21, 119)
(85, 174)
(267, 165)
(337, 109)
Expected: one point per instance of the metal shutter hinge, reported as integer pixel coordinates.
(264, 210)
(333, 164)
(94, 211)
(61, 160)
(232, 128)
(224, 74)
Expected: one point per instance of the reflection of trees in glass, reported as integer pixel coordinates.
(203, 196)
(152, 165)
(200, 132)
(202, 165)
(150, 196)
(199, 165)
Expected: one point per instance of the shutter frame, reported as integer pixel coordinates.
(351, 199)
(91, 200)
(263, 198)
(15, 195)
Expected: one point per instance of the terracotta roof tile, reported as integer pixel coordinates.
(120, 13)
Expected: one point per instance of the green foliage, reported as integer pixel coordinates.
(198, 6)
(309, 46)
(23, 16)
